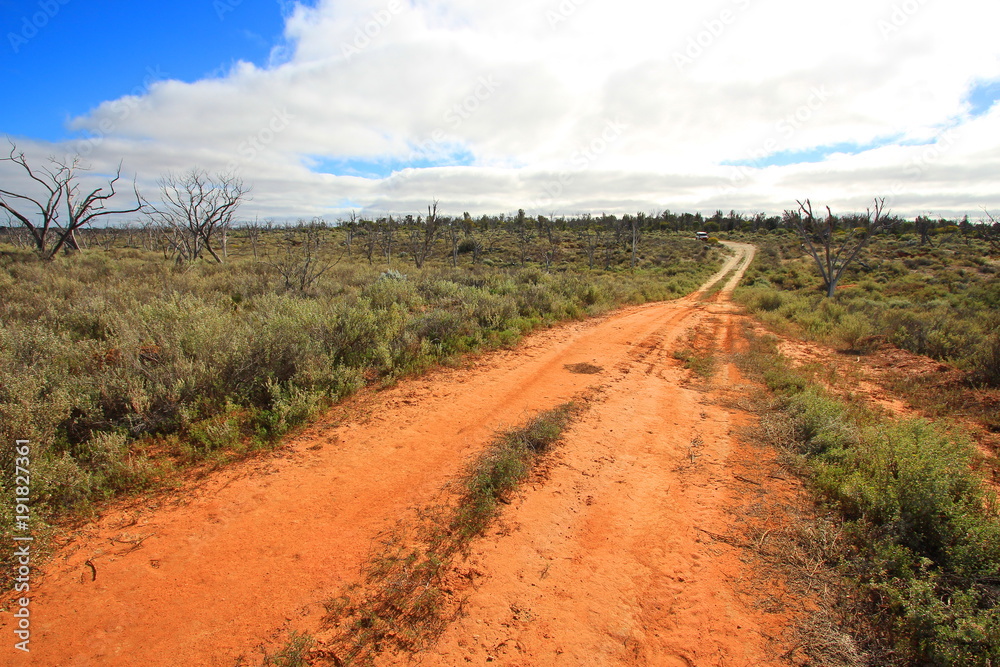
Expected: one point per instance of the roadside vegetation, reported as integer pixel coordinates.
(907, 523)
(127, 360)
(939, 297)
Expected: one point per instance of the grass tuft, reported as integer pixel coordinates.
(295, 652)
(405, 600)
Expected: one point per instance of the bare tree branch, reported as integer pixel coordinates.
(832, 246)
(54, 218)
(196, 208)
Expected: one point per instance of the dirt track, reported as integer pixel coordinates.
(606, 562)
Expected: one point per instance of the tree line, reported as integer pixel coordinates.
(197, 211)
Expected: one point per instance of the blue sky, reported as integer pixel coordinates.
(554, 106)
(88, 52)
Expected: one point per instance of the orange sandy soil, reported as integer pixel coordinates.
(621, 551)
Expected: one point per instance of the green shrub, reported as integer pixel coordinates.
(855, 332)
(985, 364)
(61, 484)
(924, 534)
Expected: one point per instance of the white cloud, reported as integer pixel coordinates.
(526, 90)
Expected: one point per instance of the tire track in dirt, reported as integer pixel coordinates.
(619, 554)
(204, 575)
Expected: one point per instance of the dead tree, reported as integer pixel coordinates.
(591, 242)
(924, 226)
(53, 217)
(18, 236)
(351, 230)
(107, 237)
(490, 237)
(196, 209)
(252, 231)
(547, 227)
(300, 263)
(833, 245)
(370, 237)
(423, 235)
(990, 232)
(454, 236)
(386, 228)
(523, 234)
(635, 224)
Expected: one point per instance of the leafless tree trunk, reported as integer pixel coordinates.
(591, 242)
(833, 249)
(129, 229)
(924, 226)
(523, 235)
(224, 241)
(370, 236)
(53, 218)
(18, 236)
(490, 237)
(990, 232)
(300, 264)
(107, 237)
(252, 231)
(386, 237)
(635, 231)
(454, 235)
(196, 208)
(423, 234)
(350, 229)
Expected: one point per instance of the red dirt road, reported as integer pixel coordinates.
(611, 562)
(618, 556)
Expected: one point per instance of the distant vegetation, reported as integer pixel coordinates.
(120, 363)
(934, 292)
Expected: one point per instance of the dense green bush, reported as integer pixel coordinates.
(924, 531)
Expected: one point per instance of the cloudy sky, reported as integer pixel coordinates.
(554, 106)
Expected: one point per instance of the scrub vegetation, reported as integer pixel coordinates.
(915, 530)
(126, 360)
(936, 295)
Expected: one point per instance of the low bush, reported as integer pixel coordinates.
(924, 545)
(498, 472)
